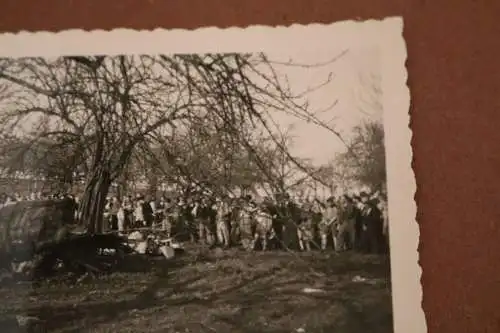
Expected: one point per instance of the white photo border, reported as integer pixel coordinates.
(387, 34)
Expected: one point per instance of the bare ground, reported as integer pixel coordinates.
(219, 291)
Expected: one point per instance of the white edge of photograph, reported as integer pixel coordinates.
(385, 35)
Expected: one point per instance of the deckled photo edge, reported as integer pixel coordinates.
(256, 38)
(406, 271)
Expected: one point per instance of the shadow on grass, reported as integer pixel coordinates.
(238, 292)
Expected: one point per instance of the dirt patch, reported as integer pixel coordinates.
(230, 291)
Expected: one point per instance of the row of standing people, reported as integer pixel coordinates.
(348, 222)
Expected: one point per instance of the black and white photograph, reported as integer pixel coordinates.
(237, 180)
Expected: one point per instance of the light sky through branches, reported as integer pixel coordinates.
(353, 86)
(340, 86)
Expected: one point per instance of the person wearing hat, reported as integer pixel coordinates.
(364, 196)
(203, 214)
(371, 225)
(346, 225)
(357, 207)
(292, 215)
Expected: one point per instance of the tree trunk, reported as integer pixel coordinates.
(94, 200)
(153, 184)
(123, 185)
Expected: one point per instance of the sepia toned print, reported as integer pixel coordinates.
(238, 180)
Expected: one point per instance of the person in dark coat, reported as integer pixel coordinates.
(372, 226)
(305, 232)
(147, 212)
(358, 223)
(189, 219)
(280, 214)
(204, 217)
(114, 207)
(292, 220)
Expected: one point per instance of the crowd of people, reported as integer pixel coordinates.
(347, 222)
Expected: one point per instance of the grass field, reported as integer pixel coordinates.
(219, 291)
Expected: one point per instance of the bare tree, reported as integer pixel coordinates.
(108, 107)
(364, 163)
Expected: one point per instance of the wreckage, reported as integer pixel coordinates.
(38, 239)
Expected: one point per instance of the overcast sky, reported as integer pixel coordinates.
(354, 75)
(352, 78)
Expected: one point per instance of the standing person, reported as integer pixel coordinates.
(128, 212)
(264, 225)
(317, 217)
(195, 216)
(156, 211)
(148, 212)
(305, 231)
(120, 215)
(212, 219)
(328, 223)
(272, 209)
(363, 234)
(114, 207)
(107, 214)
(358, 222)
(138, 212)
(345, 226)
(188, 216)
(280, 213)
(246, 225)
(292, 218)
(350, 214)
(372, 225)
(222, 211)
(203, 216)
(159, 212)
(234, 225)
